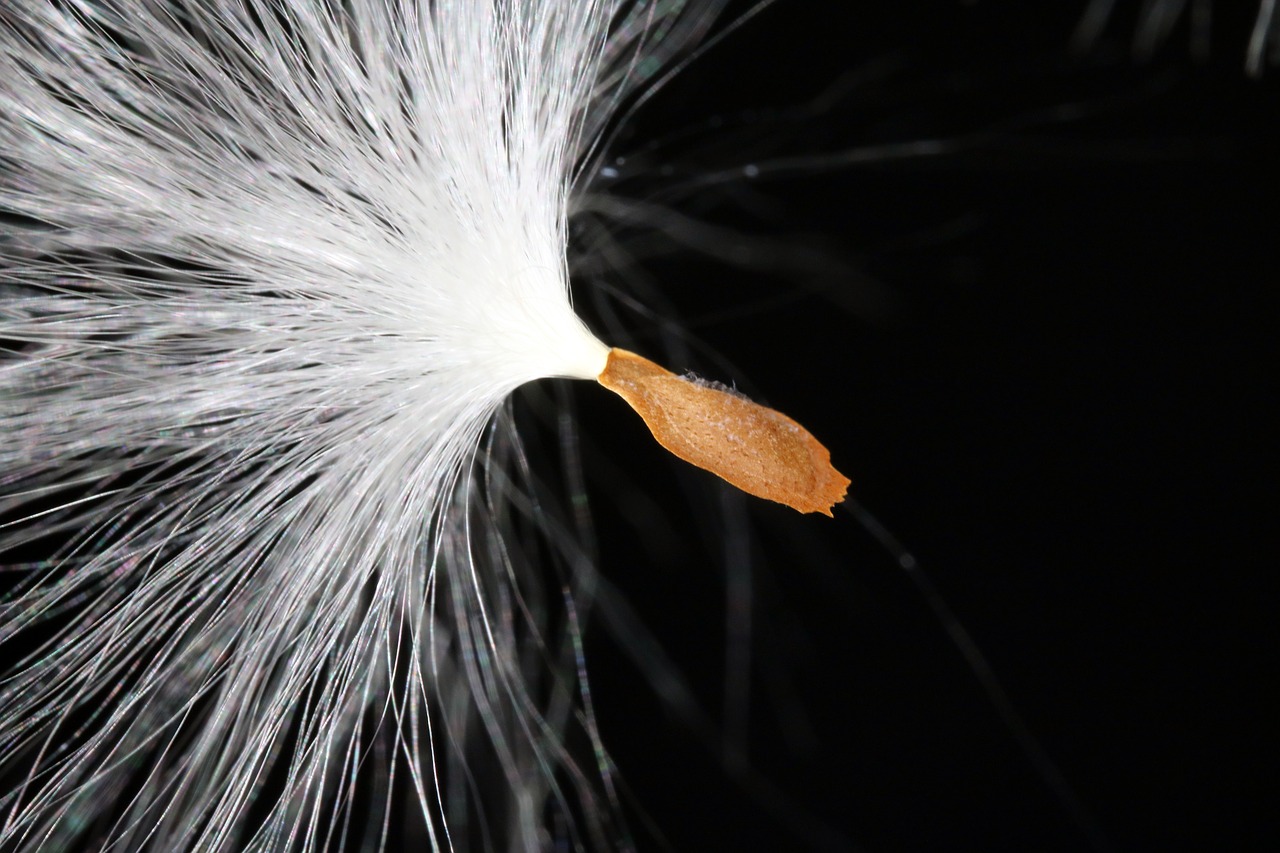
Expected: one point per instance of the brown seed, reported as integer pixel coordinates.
(760, 451)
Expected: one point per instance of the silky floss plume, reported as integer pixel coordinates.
(268, 272)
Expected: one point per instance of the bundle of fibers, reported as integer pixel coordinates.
(269, 272)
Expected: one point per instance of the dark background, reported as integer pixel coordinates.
(1041, 352)
(1040, 346)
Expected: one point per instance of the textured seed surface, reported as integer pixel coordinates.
(759, 450)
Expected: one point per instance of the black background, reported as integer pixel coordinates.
(1041, 354)
(1040, 348)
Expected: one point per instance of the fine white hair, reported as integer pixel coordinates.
(268, 271)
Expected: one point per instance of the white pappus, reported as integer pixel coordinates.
(268, 271)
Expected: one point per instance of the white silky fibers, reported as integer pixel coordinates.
(267, 272)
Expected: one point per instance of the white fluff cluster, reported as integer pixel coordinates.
(267, 272)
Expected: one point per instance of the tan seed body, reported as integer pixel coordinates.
(760, 451)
